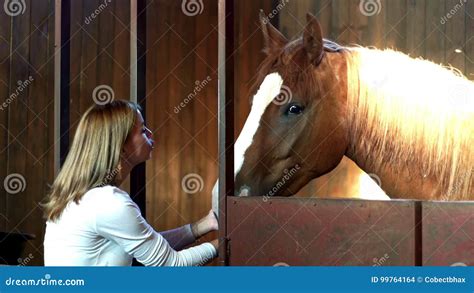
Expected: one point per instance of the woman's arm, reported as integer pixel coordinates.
(121, 222)
(186, 235)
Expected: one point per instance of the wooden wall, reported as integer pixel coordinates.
(181, 111)
(100, 54)
(26, 122)
(181, 54)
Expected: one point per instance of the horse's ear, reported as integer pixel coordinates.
(273, 38)
(313, 39)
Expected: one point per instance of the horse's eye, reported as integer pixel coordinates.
(294, 110)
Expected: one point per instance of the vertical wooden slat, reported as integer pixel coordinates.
(5, 33)
(395, 28)
(340, 21)
(469, 39)
(79, 24)
(18, 115)
(416, 29)
(38, 101)
(86, 45)
(455, 34)
(159, 122)
(323, 11)
(435, 32)
(136, 183)
(376, 26)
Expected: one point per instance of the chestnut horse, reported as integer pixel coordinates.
(409, 121)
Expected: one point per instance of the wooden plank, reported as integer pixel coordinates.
(5, 32)
(340, 22)
(469, 40)
(323, 12)
(416, 29)
(87, 74)
(396, 25)
(158, 121)
(79, 20)
(203, 117)
(377, 25)
(435, 32)
(40, 98)
(448, 233)
(120, 49)
(18, 154)
(328, 232)
(358, 23)
(455, 34)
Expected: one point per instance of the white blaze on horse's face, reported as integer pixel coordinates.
(269, 89)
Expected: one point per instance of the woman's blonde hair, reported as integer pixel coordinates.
(94, 157)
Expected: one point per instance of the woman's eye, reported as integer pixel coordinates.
(294, 110)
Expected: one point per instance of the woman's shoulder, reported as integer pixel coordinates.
(107, 193)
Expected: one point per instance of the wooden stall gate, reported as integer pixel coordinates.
(331, 232)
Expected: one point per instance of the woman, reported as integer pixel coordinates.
(91, 221)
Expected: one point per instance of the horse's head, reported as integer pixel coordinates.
(296, 128)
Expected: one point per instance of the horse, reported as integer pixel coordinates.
(408, 120)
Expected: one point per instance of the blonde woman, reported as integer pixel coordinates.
(91, 221)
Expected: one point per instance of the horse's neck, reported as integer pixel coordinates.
(414, 133)
(397, 181)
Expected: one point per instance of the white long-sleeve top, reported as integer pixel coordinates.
(106, 229)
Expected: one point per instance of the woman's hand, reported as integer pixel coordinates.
(205, 225)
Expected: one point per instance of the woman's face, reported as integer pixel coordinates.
(139, 144)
